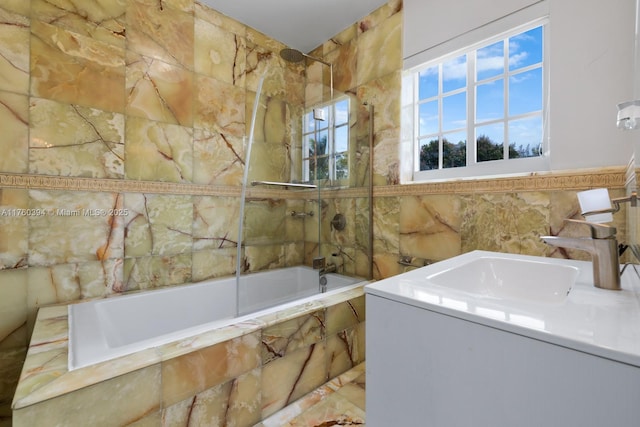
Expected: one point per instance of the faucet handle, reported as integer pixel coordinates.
(319, 263)
(598, 231)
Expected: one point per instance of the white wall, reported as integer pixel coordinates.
(591, 67)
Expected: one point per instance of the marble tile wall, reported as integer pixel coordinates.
(110, 93)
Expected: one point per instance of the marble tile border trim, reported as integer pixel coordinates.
(615, 177)
(570, 180)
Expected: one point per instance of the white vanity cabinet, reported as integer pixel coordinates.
(430, 369)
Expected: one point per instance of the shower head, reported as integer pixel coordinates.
(295, 56)
(292, 55)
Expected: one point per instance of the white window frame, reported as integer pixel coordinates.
(494, 168)
(331, 139)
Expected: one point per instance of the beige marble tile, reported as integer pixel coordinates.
(294, 254)
(283, 338)
(160, 31)
(156, 271)
(263, 257)
(219, 53)
(219, 107)
(102, 20)
(334, 410)
(273, 122)
(384, 94)
(158, 224)
(47, 359)
(158, 90)
(281, 80)
(182, 5)
(311, 250)
(385, 265)
(286, 379)
(354, 378)
(361, 143)
(10, 366)
(362, 228)
(347, 208)
(75, 69)
(269, 162)
(14, 227)
(215, 223)
(386, 219)
(510, 222)
(354, 392)
(380, 50)
(295, 409)
(379, 16)
(311, 231)
(148, 420)
(13, 306)
(236, 403)
(14, 141)
(72, 282)
(157, 151)
(338, 41)
(318, 84)
(218, 19)
(344, 59)
(213, 263)
(20, 7)
(258, 39)
(72, 140)
(54, 237)
(14, 51)
(264, 221)
(294, 225)
(430, 226)
(203, 369)
(119, 401)
(218, 159)
(361, 262)
(345, 315)
(345, 349)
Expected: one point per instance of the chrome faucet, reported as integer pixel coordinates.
(603, 247)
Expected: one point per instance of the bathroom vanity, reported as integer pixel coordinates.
(488, 339)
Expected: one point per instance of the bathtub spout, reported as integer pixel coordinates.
(329, 268)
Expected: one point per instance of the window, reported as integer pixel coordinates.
(325, 142)
(492, 94)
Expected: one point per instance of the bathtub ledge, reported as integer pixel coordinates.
(45, 373)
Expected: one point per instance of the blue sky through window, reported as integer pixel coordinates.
(506, 71)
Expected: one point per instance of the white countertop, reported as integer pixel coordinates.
(601, 322)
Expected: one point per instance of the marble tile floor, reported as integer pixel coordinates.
(339, 402)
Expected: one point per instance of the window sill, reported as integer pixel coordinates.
(488, 170)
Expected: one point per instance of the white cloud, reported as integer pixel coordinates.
(517, 58)
(456, 69)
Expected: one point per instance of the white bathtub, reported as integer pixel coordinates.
(102, 330)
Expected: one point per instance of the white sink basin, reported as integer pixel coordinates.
(526, 295)
(501, 277)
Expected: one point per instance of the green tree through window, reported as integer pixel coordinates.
(455, 154)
